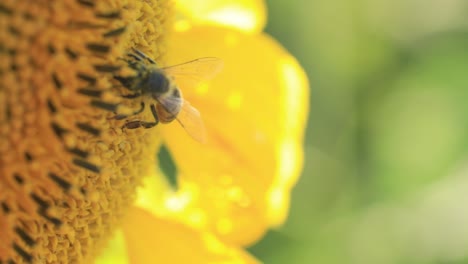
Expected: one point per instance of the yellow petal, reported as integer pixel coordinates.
(245, 15)
(153, 240)
(238, 184)
(115, 252)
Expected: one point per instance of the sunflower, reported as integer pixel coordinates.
(69, 170)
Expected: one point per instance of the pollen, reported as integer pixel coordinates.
(68, 170)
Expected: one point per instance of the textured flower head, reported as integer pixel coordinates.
(69, 168)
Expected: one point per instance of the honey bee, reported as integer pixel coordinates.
(160, 85)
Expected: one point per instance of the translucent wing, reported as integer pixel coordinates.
(192, 73)
(188, 116)
(190, 119)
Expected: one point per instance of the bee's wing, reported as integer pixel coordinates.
(190, 119)
(191, 73)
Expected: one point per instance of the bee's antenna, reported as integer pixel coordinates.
(139, 55)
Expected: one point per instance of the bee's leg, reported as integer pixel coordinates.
(132, 124)
(131, 96)
(138, 123)
(154, 112)
(120, 117)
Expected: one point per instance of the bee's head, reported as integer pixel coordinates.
(157, 83)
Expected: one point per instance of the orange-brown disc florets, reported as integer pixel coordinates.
(67, 169)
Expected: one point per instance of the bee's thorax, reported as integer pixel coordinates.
(157, 83)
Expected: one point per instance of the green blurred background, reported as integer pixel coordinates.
(386, 168)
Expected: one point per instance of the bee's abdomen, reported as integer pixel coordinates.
(166, 115)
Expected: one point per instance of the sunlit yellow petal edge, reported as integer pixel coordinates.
(290, 148)
(245, 15)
